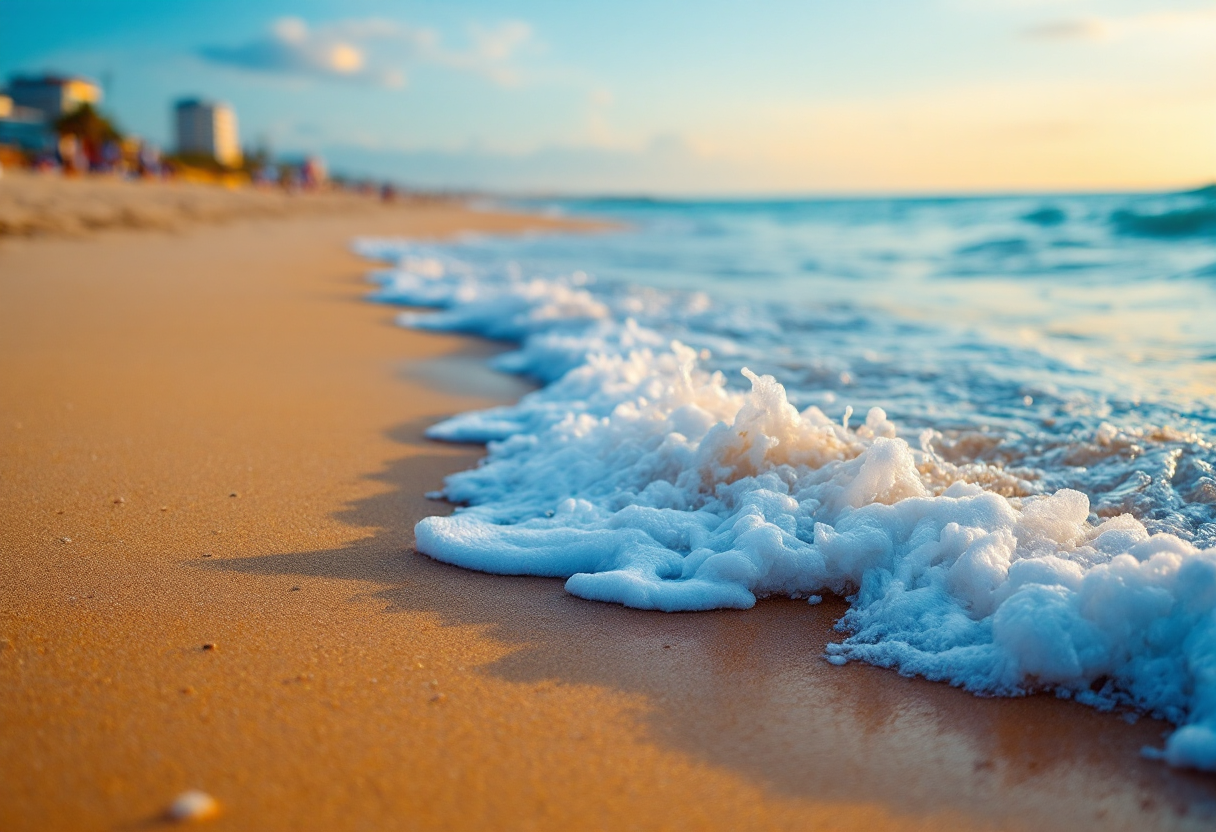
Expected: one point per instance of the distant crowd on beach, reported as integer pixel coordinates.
(53, 124)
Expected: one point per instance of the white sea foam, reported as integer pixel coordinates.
(646, 480)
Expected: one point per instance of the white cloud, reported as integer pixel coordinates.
(1000, 5)
(492, 50)
(1084, 28)
(374, 51)
(1197, 23)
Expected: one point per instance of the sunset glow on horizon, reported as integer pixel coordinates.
(875, 97)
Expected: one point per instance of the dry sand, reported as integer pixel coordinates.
(49, 204)
(208, 437)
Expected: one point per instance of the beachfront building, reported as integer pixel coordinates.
(53, 95)
(26, 129)
(32, 105)
(207, 128)
(22, 127)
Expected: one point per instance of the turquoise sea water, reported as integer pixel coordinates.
(1030, 320)
(986, 423)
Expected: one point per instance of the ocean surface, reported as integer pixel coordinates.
(987, 422)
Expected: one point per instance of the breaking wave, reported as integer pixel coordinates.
(1182, 215)
(1011, 527)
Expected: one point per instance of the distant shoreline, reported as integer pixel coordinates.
(36, 204)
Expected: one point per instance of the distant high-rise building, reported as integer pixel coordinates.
(33, 104)
(207, 128)
(53, 95)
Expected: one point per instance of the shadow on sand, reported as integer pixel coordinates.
(748, 691)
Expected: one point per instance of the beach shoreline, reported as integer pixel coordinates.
(53, 204)
(210, 437)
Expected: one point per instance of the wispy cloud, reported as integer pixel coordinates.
(491, 52)
(1194, 23)
(374, 51)
(1090, 28)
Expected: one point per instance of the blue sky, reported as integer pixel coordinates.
(671, 97)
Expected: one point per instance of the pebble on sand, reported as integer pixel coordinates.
(193, 805)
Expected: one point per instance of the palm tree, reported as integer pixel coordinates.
(88, 125)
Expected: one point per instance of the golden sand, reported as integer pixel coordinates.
(209, 438)
(33, 204)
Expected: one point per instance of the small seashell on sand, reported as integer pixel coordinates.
(192, 805)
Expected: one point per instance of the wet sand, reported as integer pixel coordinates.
(208, 437)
